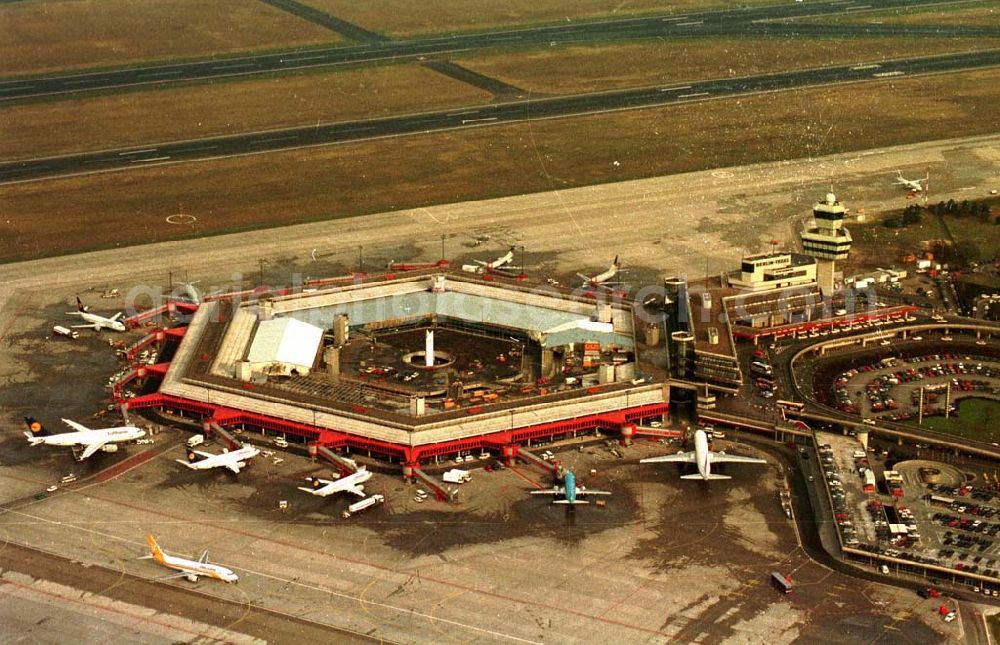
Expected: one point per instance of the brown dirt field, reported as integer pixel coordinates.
(203, 110)
(407, 18)
(122, 208)
(606, 67)
(66, 34)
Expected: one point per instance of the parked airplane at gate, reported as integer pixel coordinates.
(190, 569)
(233, 460)
(602, 279)
(915, 185)
(350, 484)
(106, 439)
(704, 458)
(189, 293)
(96, 322)
(569, 491)
(502, 263)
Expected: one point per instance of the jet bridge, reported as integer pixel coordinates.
(346, 465)
(214, 428)
(442, 494)
(544, 464)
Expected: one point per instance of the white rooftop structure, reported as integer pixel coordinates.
(283, 345)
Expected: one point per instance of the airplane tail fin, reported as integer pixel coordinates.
(154, 549)
(710, 476)
(192, 456)
(35, 426)
(314, 482)
(79, 305)
(35, 430)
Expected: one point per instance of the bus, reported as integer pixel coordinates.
(781, 583)
(791, 406)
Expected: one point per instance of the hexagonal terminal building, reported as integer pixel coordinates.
(415, 367)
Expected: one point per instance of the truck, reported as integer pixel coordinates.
(362, 505)
(195, 440)
(869, 480)
(457, 476)
(781, 583)
(59, 330)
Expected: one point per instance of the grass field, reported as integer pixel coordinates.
(62, 216)
(407, 18)
(202, 110)
(874, 243)
(44, 36)
(609, 66)
(977, 419)
(982, 15)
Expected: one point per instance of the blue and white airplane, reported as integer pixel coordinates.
(569, 491)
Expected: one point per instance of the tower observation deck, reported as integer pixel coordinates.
(828, 241)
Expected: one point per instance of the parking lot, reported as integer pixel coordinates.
(900, 514)
(891, 389)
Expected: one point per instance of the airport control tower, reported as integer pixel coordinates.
(828, 241)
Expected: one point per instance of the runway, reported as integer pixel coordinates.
(769, 21)
(581, 104)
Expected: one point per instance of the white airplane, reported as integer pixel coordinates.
(189, 293)
(704, 458)
(914, 185)
(190, 569)
(90, 440)
(350, 483)
(233, 460)
(501, 263)
(603, 278)
(95, 322)
(569, 491)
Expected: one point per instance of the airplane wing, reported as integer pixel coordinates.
(206, 455)
(680, 457)
(549, 491)
(585, 491)
(179, 574)
(357, 490)
(204, 557)
(324, 491)
(91, 449)
(79, 427)
(234, 466)
(90, 326)
(722, 458)
(117, 316)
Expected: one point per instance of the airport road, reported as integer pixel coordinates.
(258, 142)
(747, 22)
(181, 614)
